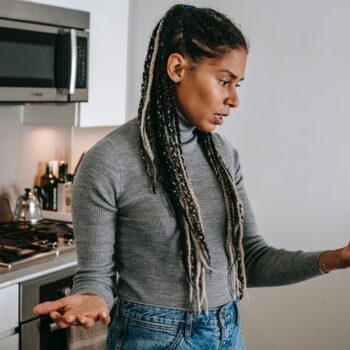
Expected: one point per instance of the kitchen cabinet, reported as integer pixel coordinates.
(10, 343)
(107, 60)
(9, 317)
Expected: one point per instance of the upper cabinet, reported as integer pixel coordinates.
(107, 60)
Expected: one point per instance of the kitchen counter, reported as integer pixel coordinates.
(40, 268)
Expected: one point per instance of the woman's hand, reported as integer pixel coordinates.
(345, 256)
(335, 259)
(84, 310)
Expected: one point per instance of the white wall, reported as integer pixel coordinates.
(292, 133)
(24, 150)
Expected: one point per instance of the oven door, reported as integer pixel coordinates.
(42, 63)
(41, 333)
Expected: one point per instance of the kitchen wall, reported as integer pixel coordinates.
(291, 130)
(25, 148)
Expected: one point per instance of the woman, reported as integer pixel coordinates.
(161, 201)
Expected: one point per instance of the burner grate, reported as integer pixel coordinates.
(20, 242)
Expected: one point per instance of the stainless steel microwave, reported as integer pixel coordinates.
(43, 53)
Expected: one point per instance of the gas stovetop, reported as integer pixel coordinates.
(22, 243)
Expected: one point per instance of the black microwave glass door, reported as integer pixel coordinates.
(27, 58)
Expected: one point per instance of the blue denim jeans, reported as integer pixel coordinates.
(139, 326)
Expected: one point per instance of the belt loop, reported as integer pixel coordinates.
(188, 324)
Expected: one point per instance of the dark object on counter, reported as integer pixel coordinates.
(48, 184)
(28, 208)
(62, 172)
(5, 209)
(64, 189)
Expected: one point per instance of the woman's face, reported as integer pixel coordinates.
(206, 90)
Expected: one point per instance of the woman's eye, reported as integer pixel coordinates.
(224, 82)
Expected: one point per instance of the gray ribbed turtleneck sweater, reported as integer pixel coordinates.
(122, 227)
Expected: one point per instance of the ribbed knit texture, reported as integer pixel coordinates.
(122, 227)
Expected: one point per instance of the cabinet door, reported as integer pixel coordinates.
(107, 60)
(9, 306)
(10, 343)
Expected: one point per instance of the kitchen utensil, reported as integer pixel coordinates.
(28, 208)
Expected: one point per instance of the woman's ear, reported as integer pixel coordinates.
(176, 67)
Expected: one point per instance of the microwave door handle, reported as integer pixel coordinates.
(73, 62)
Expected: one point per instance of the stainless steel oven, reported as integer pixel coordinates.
(41, 333)
(44, 53)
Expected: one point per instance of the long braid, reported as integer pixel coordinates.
(188, 30)
(235, 215)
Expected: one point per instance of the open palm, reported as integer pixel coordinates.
(78, 309)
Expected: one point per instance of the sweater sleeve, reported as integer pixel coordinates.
(94, 216)
(265, 265)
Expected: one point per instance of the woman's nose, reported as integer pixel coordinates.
(232, 99)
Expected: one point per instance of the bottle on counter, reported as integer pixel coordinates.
(62, 172)
(64, 189)
(48, 184)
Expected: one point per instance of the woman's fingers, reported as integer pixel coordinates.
(59, 320)
(87, 322)
(104, 318)
(82, 310)
(70, 318)
(49, 306)
(55, 315)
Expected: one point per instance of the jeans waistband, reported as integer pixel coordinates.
(170, 316)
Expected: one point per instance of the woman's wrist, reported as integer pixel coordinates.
(331, 260)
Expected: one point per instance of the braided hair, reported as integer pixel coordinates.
(197, 33)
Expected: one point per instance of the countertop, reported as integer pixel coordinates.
(40, 268)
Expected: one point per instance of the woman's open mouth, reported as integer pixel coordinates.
(219, 119)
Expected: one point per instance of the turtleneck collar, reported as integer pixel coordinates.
(186, 129)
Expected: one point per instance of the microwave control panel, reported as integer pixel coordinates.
(82, 52)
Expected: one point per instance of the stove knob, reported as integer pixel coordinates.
(65, 292)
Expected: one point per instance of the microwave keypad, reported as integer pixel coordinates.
(81, 81)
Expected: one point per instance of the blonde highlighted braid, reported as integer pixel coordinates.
(198, 33)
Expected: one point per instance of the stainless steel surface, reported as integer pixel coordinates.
(18, 94)
(23, 15)
(34, 27)
(73, 69)
(32, 259)
(82, 94)
(31, 331)
(42, 267)
(53, 327)
(39, 13)
(23, 244)
(40, 332)
(79, 95)
(28, 208)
